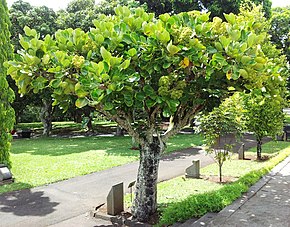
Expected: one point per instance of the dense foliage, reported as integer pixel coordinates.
(264, 117)
(216, 7)
(6, 94)
(280, 29)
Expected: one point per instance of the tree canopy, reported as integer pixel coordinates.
(216, 7)
(280, 29)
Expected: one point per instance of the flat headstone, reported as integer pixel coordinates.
(5, 173)
(115, 199)
(193, 170)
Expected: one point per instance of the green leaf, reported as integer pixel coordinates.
(246, 59)
(243, 47)
(150, 103)
(112, 87)
(149, 91)
(140, 96)
(166, 65)
(231, 18)
(108, 106)
(23, 43)
(235, 35)
(243, 73)
(166, 112)
(172, 104)
(30, 32)
(128, 98)
(163, 36)
(164, 17)
(99, 39)
(81, 102)
(106, 55)
(45, 59)
(132, 52)
(125, 64)
(172, 49)
(251, 39)
(55, 83)
(225, 41)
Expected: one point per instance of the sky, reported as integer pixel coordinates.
(61, 4)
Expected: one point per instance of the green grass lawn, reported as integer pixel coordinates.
(45, 160)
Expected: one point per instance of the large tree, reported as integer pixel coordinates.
(81, 13)
(6, 94)
(132, 64)
(43, 20)
(216, 7)
(280, 29)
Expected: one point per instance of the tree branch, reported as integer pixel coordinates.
(123, 120)
(181, 119)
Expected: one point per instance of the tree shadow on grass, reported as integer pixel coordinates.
(26, 203)
(65, 146)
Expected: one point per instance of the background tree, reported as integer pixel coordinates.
(263, 109)
(6, 93)
(81, 13)
(280, 29)
(222, 127)
(43, 20)
(174, 66)
(216, 7)
(264, 117)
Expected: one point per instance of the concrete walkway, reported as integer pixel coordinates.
(67, 203)
(267, 203)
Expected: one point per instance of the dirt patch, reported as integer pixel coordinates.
(216, 179)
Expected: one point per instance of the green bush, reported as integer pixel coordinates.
(200, 204)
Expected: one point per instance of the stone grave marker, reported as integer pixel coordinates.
(5, 173)
(115, 199)
(193, 170)
(241, 152)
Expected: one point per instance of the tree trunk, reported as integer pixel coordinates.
(145, 201)
(220, 172)
(259, 149)
(119, 131)
(46, 116)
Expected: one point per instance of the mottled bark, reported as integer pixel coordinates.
(46, 116)
(145, 202)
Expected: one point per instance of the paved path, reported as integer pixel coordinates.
(267, 203)
(66, 203)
